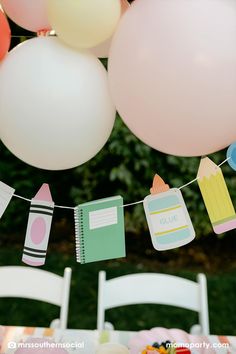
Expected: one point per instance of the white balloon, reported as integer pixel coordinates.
(56, 111)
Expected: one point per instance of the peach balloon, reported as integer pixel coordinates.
(29, 14)
(5, 35)
(102, 50)
(172, 72)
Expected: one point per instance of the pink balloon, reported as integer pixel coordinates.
(102, 50)
(29, 14)
(172, 72)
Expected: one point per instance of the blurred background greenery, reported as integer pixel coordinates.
(124, 166)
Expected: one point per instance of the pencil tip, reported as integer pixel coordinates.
(207, 167)
(44, 193)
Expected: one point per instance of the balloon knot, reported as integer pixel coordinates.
(45, 32)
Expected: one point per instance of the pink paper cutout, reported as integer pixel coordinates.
(38, 227)
(38, 230)
(44, 193)
(32, 263)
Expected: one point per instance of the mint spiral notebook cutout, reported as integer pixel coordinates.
(168, 220)
(99, 230)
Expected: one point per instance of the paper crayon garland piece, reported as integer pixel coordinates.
(38, 228)
(170, 225)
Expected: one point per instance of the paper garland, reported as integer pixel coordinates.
(212, 186)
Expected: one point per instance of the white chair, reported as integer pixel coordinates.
(153, 288)
(37, 284)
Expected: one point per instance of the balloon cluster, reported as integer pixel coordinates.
(171, 76)
(56, 111)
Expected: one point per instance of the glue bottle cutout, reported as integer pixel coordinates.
(167, 217)
(38, 228)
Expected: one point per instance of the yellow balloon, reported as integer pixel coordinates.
(84, 23)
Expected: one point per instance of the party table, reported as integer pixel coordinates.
(86, 341)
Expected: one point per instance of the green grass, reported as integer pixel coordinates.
(83, 301)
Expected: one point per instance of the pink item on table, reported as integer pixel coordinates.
(159, 334)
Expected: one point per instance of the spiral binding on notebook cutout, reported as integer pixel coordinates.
(81, 231)
(79, 235)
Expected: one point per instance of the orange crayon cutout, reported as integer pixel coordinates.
(158, 185)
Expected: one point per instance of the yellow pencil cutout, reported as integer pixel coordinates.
(216, 196)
